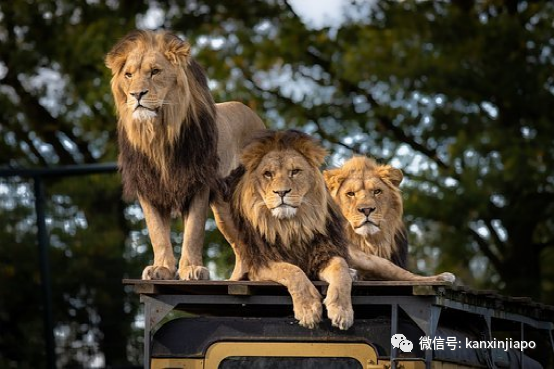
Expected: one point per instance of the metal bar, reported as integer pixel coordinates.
(45, 279)
(521, 339)
(184, 300)
(394, 330)
(434, 316)
(68, 170)
(147, 330)
(551, 340)
(495, 313)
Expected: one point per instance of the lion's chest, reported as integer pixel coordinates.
(189, 171)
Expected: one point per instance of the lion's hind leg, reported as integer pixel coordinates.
(158, 225)
(306, 300)
(226, 226)
(379, 268)
(338, 300)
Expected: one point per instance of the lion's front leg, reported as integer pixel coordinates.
(380, 268)
(306, 300)
(158, 225)
(191, 266)
(338, 300)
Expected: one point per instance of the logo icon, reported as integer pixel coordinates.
(400, 341)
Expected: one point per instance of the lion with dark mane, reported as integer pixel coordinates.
(288, 228)
(175, 143)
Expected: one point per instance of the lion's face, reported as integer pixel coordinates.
(152, 88)
(284, 179)
(147, 79)
(367, 194)
(282, 192)
(365, 203)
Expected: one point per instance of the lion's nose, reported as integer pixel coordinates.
(366, 211)
(138, 95)
(282, 193)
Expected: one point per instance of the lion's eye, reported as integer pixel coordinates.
(268, 174)
(128, 75)
(350, 194)
(155, 71)
(294, 172)
(377, 192)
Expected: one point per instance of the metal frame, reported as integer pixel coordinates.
(38, 175)
(423, 306)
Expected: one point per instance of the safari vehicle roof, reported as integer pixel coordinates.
(262, 312)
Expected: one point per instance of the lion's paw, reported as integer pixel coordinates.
(194, 273)
(309, 314)
(157, 273)
(446, 277)
(341, 317)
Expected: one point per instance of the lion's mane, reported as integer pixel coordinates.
(391, 242)
(167, 158)
(310, 238)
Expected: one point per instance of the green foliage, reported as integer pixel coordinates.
(456, 93)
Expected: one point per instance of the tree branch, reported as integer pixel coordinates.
(384, 120)
(496, 238)
(307, 113)
(485, 249)
(41, 120)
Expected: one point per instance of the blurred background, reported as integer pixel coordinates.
(458, 94)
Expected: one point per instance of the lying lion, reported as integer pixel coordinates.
(288, 228)
(175, 143)
(369, 197)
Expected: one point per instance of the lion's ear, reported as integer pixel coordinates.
(252, 155)
(391, 174)
(333, 180)
(315, 154)
(176, 51)
(115, 61)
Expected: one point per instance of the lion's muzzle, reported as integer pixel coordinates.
(367, 227)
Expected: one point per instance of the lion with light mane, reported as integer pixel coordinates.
(369, 197)
(288, 228)
(175, 143)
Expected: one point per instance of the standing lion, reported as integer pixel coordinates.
(174, 142)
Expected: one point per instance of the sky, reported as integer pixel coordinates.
(315, 13)
(319, 13)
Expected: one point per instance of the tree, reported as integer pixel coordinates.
(456, 93)
(55, 109)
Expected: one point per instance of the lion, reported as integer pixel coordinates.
(369, 197)
(175, 143)
(288, 227)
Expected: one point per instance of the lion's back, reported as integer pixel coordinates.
(237, 124)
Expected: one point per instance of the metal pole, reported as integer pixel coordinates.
(45, 279)
(394, 330)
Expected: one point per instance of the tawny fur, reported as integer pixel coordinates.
(175, 143)
(290, 247)
(352, 187)
(377, 239)
(308, 243)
